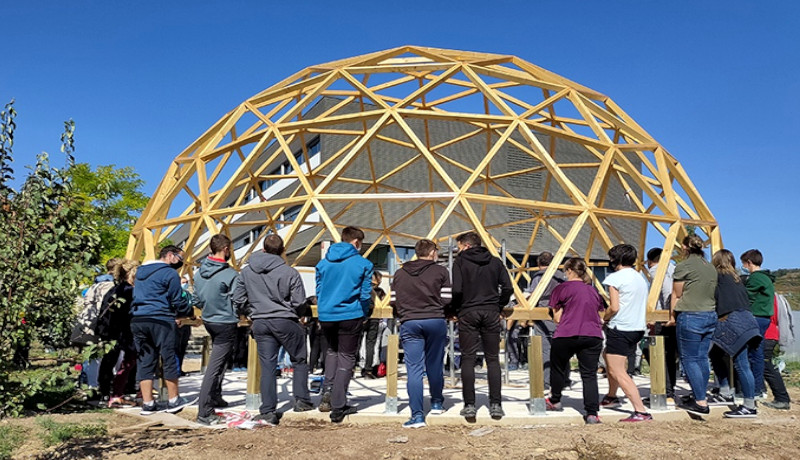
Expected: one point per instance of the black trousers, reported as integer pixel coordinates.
(183, 336)
(319, 345)
(588, 350)
(343, 338)
(480, 329)
(223, 337)
(371, 328)
(773, 375)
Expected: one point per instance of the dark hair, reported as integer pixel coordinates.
(544, 259)
(654, 254)
(753, 256)
(578, 266)
(622, 254)
(218, 243)
(350, 234)
(424, 247)
(273, 244)
(470, 238)
(167, 249)
(694, 245)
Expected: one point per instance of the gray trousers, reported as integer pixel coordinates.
(545, 329)
(270, 335)
(343, 338)
(222, 338)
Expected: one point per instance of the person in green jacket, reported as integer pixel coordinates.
(761, 292)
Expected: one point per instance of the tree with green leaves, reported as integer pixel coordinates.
(49, 242)
(114, 198)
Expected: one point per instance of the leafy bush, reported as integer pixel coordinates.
(57, 433)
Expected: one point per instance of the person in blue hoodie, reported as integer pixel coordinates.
(273, 295)
(344, 296)
(213, 293)
(157, 301)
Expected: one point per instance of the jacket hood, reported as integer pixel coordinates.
(478, 256)
(210, 268)
(102, 278)
(146, 271)
(768, 273)
(417, 267)
(262, 262)
(341, 251)
(558, 275)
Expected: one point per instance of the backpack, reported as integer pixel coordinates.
(783, 311)
(85, 330)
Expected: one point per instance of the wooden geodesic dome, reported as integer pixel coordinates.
(418, 142)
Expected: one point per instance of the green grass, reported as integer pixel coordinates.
(57, 433)
(11, 437)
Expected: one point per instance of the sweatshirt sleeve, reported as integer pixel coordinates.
(446, 293)
(239, 297)
(458, 290)
(366, 289)
(177, 300)
(506, 289)
(298, 296)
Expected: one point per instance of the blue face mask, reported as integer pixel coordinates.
(744, 271)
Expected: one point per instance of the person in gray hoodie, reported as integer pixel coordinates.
(214, 285)
(273, 295)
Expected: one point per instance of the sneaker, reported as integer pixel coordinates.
(513, 367)
(368, 375)
(268, 419)
(150, 409)
(592, 419)
(469, 412)
(221, 403)
(496, 411)
(179, 404)
(762, 396)
(610, 402)
(553, 407)
(415, 422)
(325, 403)
(303, 406)
(777, 405)
(638, 417)
(741, 412)
(437, 408)
(338, 415)
(694, 408)
(211, 420)
(719, 399)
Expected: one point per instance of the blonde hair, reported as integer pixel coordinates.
(126, 270)
(694, 245)
(725, 263)
(578, 266)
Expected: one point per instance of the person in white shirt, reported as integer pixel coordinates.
(625, 326)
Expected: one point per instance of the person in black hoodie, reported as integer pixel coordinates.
(481, 288)
(273, 295)
(420, 291)
(213, 292)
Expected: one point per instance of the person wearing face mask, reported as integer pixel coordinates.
(157, 300)
(214, 285)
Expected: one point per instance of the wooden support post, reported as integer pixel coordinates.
(536, 375)
(658, 373)
(253, 397)
(205, 354)
(392, 352)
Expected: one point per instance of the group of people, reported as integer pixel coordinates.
(708, 303)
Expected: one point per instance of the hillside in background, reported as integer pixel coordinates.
(787, 282)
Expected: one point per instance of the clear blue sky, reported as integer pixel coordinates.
(716, 83)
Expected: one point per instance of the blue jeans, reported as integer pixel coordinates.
(742, 365)
(695, 330)
(756, 356)
(424, 341)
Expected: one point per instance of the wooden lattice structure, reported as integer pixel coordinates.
(413, 135)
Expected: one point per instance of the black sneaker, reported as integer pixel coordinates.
(338, 415)
(719, 399)
(268, 419)
(221, 403)
(496, 411)
(469, 412)
(610, 402)
(211, 420)
(778, 405)
(741, 412)
(325, 403)
(150, 409)
(179, 404)
(694, 408)
(303, 406)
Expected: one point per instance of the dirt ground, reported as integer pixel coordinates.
(775, 434)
